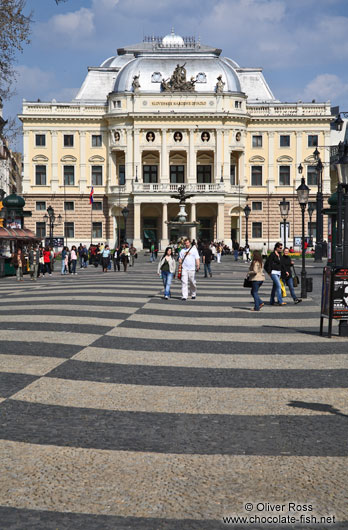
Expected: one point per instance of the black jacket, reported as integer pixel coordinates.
(274, 263)
(286, 267)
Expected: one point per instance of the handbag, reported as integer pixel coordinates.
(247, 282)
(283, 289)
(295, 278)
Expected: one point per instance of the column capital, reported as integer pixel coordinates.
(82, 134)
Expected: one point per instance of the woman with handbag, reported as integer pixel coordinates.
(257, 277)
(287, 274)
(166, 269)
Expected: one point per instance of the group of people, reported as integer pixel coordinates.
(37, 260)
(279, 266)
(102, 254)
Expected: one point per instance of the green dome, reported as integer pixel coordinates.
(13, 201)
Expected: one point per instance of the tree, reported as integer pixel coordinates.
(14, 34)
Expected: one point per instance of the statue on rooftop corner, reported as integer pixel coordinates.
(219, 85)
(136, 84)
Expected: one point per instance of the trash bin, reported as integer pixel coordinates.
(309, 285)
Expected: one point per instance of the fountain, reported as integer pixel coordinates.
(180, 223)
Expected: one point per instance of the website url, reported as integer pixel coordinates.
(279, 519)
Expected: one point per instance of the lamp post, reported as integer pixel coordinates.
(302, 195)
(284, 212)
(51, 218)
(310, 213)
(247, 211)
(125, 213)
(318, 253)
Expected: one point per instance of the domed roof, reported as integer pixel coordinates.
(204, 69)
(117, 61)
(172, 40)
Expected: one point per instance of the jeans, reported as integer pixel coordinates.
(33, 271)
(48, 267)
(19, 273)
(116, 264)
(255, 294)
(236, 254)
(290, 284)
(276, 289)
(207, 269)
(63, 267)
(167, 280)
(73, 266)
(153, 256)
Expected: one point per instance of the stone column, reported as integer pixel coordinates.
(220, 222)
(218, 156)
(271, 176)
(164, 240)
(193, 218)
(299, 160)
(191, 173)
(164, 160)
(137, 154)
(226, 158)
(129, 160)
(82, 168)
(137, 242)
(54, 163)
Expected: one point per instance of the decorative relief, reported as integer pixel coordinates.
(177, 136)
(177, 82)
(285, 158)
(257, 158)
(205, 136)
(238, 136)
(201, 77)
(40, 158)
(96, 158)
(150, 136)
(156, 77)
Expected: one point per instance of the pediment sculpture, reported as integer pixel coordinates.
(177, 82)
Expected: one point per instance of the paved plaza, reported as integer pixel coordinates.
(121, 410)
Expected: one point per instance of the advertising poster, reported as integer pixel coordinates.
(340, 294)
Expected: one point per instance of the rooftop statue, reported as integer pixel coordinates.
(136, 84)
(219, 85)
(177, 82)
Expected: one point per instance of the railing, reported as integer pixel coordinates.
(289, 109)
(141, 187)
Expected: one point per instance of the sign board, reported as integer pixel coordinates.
(326, 292)
(340, 294)
(56, 242)
(14, 223)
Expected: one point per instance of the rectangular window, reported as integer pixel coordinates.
(98, 206)
(312, 140)
(204, 174)
(256, 230)
(69, 230)
(256, 206)
(177, 174)
(41, 230)
(233, 178)
(97, 175)
(69, 175)
(150, 174)
(41, 206)
(40, 140)
(284, 140)
(68, 140)
(312, 229)
(284, 175)
(96, 140)
(257, 140)
(256, 175)
(122, 175)
(69, 206)
(312, 176)
(97, 230)
(40, 175)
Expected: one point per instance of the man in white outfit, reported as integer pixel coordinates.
(189, 258)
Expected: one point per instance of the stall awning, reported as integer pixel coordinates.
(23, 234)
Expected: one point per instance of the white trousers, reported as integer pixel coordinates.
(218, 255)
(188, 283)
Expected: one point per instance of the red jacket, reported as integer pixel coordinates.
(47, 256)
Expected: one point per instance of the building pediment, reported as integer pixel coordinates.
(40, 158)
(284, 158)
(96, 158)
(256, 158)
(68, 158)
(311, 160)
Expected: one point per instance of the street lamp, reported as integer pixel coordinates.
(284, 212)
(51, 218)
(247, 211)
(318, 253)
(125, 213)
(303, 195)
(310, 213)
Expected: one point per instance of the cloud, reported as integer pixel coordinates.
(34, 81)
(72, 28)
(325, 87)
(105, 4)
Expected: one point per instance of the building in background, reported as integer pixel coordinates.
(162, 113)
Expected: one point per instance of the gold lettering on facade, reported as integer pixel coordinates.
(177, 103)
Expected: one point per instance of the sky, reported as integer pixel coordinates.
(302, 45)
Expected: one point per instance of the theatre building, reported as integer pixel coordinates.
(162, 113)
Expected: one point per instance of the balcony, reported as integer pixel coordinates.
(140, 187)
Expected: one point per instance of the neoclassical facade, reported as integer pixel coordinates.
(160, 114)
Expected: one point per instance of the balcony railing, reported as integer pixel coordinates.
(141, 187)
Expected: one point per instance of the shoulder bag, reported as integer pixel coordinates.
(180, 264)
(295, 278)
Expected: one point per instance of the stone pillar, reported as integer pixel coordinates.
(164, 240)
(82, 168)
(226, 158)
(192, 171)
(218, 156)
(129, 160)
(193, 218)
(220, 222)
(164, 161)
(271, 176)
(137, 242)
(54, 163)
(299, 160)
(137, 154)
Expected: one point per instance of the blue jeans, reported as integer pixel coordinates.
(167, 280)
(63, 266)
(73, 266)
(276, 289)
(207, 269)
(290, 284)
(255, 294)
(236, 254)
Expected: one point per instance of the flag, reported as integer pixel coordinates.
(91, 196)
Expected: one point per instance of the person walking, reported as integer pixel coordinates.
(257, 278)
(247, 253)
(273, 267)
(132, 253)
(73, 259)
(218, 252)
(264, 251)
(106, 258)
(116, 259)
(166, 269)
(84, 257)
(125, 256)
(189, 260)
(34, 262)
(64, 269)
(207, 256)
(152, 250)
(287, 276)
(47, 260)
(18, 263)
(235, 246)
